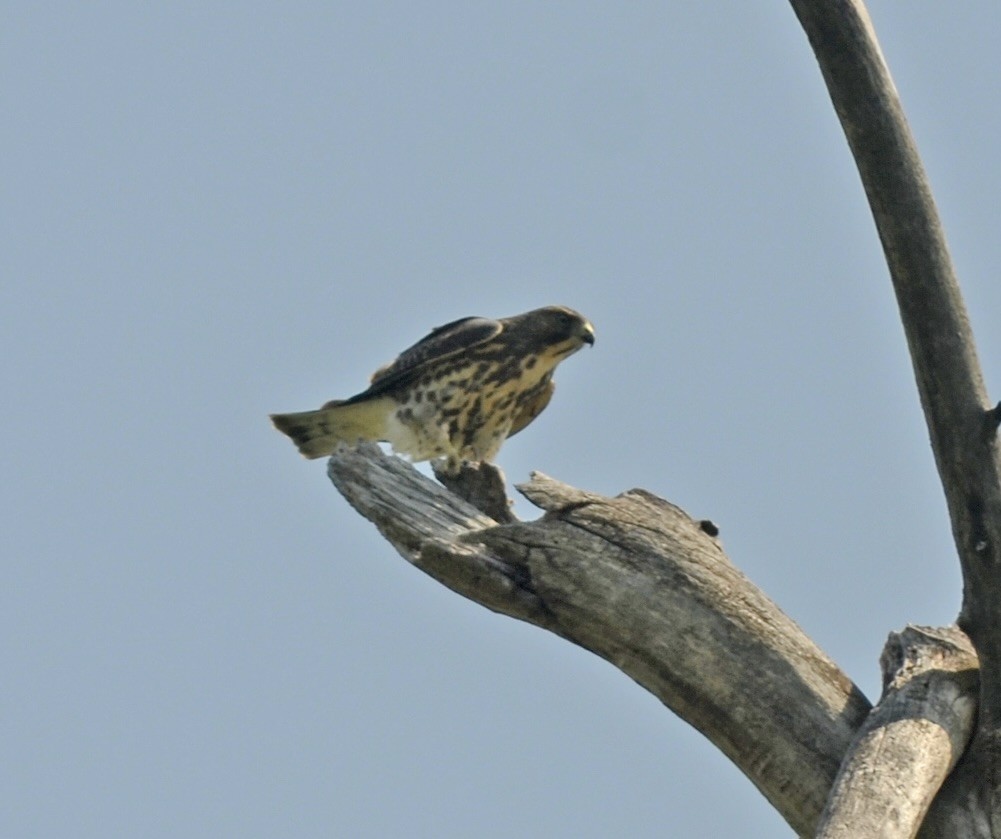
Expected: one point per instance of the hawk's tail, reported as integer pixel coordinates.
(318, 433)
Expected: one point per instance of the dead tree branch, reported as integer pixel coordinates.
(961, 422)
(640, 583)
(911, 740)
(960, 419)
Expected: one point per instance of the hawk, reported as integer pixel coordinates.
(457, 394)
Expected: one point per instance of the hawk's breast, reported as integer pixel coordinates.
(465, 409)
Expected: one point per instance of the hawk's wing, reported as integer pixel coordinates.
(442, 343)
(532, 408)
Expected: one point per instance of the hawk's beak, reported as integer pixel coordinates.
(587, 333)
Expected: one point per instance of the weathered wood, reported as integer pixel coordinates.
(911, 740)
(640, 583)
(962, 424)
(958, 414)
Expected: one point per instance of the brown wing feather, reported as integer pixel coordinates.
(531, 409)
(441, 343)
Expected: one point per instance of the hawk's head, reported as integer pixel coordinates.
(556, 330)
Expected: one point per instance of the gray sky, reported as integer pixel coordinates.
(216, 211)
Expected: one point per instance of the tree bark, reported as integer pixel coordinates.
(911, 740)
(961, 423)
(637, 581)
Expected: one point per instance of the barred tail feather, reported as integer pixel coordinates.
(318, 433)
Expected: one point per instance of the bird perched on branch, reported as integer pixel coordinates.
(456, 394)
